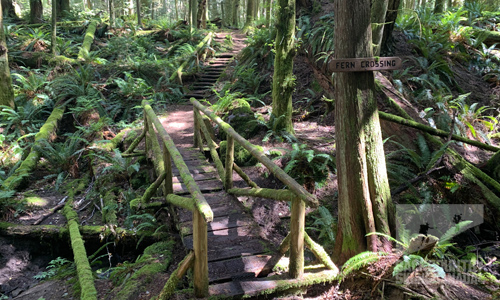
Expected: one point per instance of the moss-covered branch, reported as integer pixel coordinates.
(47, 131)
(176, 276)
(211, 145)
(296, 188)
(244, 176)
(87, 40)
(178, 73)
(320, 253)
(434, 131)
(85, 277)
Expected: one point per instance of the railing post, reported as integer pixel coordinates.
(167, 162)
(200, 244)
(297, 223)
(146, 129)
(228, 184)
(197, 143)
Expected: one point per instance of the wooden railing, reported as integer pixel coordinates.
(202, 213)
(295, 193)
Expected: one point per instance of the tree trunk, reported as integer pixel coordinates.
(138, 11)
(439, 6)
(202, 13)
(249, 15)
(378, 16)
(364, 193)
(54, 29)
(6, 90)
(236, 7)
(268, 12)
(8, 9)
(283, 79)
(390, 20)
(36, 11)
(63, 8)
(193, 9)
(111, 8)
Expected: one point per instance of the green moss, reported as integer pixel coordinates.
(242, 119)
(242, 156)
(36, 201)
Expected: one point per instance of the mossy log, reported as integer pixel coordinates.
(488, 37)
(200, 201)
(296, 188)
(320, 253)
(87, 40)
(244, 176)
(434, 131)
(47, 132)
(280, 195)
(171, 285)
(85, 277)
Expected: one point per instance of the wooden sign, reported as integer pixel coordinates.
(366, 64)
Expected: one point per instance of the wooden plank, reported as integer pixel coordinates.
(237, 268)
(223, 225)
(366, 64)
(204, 186)
(197, 177)
(196, 169)
(222, 247)
(258, 286)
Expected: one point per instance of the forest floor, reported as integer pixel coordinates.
(17, 267)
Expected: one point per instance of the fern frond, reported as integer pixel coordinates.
(359, 261)
(453, 231)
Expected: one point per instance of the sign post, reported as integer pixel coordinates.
(366, 64)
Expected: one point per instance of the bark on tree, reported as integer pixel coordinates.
(8, 9)
(378, 16)
(36, 11)
(53, 39)
(63, 8)
(193, 9)
(111, 8)
(439, 6)
(364, 194)
(390, 20)
(6, 90)
(236, 6)
(268, 12)
(283, 79)
(249, 14)
(138, 11)
(202, 13)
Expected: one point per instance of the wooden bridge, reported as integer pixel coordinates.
(228, 255)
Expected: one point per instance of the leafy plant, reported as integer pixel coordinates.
(360, 261)
(307, 167)
(279, 135)
(54, 267)
(325, 223)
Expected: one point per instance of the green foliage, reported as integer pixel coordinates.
(55, 267)
(279, 135)
(145, 223)
(259, 49)
(229, 101)
(307, 167)
(411, 262)
(318, 36)
(360, 261)
(326, 224)
(133, 88)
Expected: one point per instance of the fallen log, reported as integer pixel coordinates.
(47, 131)
(88, 40)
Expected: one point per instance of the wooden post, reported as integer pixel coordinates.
(200, 244)
(167, 162)
(297, 223)
(228, 184)
(146, 130)
(197, 143)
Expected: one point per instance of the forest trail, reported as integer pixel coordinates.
(236, 251)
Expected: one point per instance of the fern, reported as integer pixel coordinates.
(453, 231)
(360, 261)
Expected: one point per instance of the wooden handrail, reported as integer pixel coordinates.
(200, 203)
(296, 188)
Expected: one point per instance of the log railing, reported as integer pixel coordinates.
(295, 193)
(202, 213)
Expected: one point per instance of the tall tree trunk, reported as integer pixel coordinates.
(138, 11)
(378, 15)
(249, 15)
(390, 20)
(283, 79)
(9, 10)
(202, 13)
(193, 13)
(439, 6)
(236, 6)
(36, 11)
(112, 17)
(176, 4)
(364, 194)
(63, 8)
(6, 90)
(268, 12)
(54, 29)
